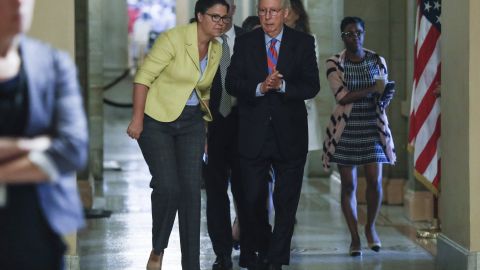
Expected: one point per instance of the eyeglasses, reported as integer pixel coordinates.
(216, 18)
(350, 34)
(272, 12)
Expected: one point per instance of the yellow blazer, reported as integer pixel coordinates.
(172, 70)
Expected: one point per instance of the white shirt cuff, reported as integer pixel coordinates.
(282, 88)
(45, 163)
(258, 93)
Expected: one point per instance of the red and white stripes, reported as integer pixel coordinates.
(424, 133)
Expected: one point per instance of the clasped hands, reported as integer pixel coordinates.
(273, 82)
(14, 148)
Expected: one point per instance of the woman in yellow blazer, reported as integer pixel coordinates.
(170, 98)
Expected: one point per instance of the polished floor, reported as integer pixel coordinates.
(321, 239)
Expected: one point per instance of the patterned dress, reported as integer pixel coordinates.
(360, 142)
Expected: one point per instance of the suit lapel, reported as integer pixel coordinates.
(213, 53)
(260, 52)
(191, 45)
(284, 52)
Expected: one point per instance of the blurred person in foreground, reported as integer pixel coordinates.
(358, 133)
(43, 141)
(273, 70)
(170, 106)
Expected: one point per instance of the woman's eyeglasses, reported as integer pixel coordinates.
(216, 18)
(351, 34)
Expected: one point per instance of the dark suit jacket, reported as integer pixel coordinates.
(285, 112)
(216, 91)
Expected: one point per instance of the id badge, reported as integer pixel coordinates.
(3, 195)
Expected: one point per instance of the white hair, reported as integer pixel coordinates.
(285, 3)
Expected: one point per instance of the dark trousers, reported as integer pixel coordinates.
(272, 247)
(26, 239)
(222, 168)
(173, 152)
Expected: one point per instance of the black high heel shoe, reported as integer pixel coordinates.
(375, 246)
(355, 251)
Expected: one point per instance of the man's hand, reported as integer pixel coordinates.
(273, 81)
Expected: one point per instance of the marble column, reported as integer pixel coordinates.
(459, 243)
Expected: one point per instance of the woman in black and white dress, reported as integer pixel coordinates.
(358, 133)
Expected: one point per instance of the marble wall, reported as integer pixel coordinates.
(56, 28)
(114, 37)
(325, 17)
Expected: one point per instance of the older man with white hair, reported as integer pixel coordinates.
(273, 70)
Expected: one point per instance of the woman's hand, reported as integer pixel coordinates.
(135, 128)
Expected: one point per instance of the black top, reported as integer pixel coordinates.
(14, 105)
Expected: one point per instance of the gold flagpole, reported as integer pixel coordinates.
(433, 231)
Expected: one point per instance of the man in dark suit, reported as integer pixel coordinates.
(222, 166)
(273, 70)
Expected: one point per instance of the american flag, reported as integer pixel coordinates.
(424, 133)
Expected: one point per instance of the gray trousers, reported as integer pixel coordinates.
(173, 152)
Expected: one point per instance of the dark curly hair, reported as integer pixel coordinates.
(349, 20)
(201, 6)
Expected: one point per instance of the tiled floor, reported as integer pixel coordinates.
(320, 241)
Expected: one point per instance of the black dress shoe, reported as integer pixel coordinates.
(262, 264)
(274, 266)
(222, 263)
(247, 260)
(236, 244)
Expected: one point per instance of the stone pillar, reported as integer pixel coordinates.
(325, 17)
(459, 243)
(89, 59)
(114, 38)
(95, 68)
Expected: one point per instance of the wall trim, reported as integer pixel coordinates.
(452, 256)
(72, 262)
